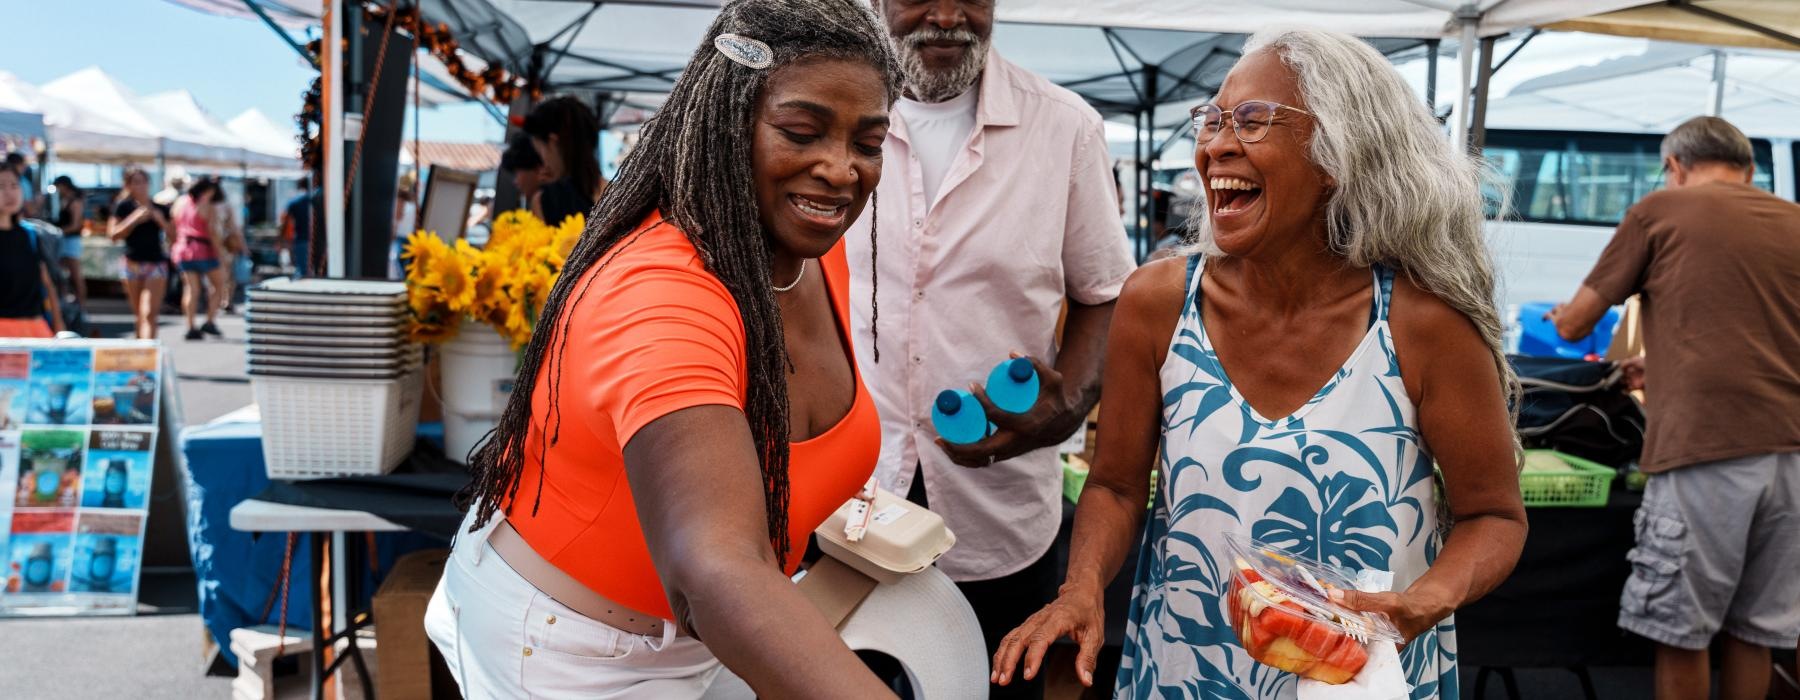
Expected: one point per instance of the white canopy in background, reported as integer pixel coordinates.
(260, 134)
(1655, 91)
(21, 119)
(100, 122)
(63, 121)
(17, 95)
(180, 119)
(1419, 19)
(92, 118)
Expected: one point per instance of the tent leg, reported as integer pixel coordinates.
(1465, 57)
(1478, 124)
(1718, 96)
(1431, 75)
(331, 92)
(1140, 208)
(1151, 91)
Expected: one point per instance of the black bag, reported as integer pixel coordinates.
(1580, 408)
(47, 239)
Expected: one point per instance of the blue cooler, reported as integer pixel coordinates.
(1538, 338)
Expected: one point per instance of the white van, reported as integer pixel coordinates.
(1569, 190)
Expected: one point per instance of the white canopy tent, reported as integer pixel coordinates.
(177, 116)
(68, 126)
(180, 107)
(98, 121)
(1419, 19)
(21, 122)
(260, 134)
(1653, 91)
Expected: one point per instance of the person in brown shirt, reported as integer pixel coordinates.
(1716, 263)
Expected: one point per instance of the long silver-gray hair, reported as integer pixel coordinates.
(1405, 197)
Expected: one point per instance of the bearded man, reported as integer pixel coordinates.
(996, 211)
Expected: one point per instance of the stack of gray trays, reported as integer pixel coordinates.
(330, 329)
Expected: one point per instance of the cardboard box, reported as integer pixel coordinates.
(405, 653)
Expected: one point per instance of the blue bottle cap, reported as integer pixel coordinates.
(948, 403)
(1020, 369)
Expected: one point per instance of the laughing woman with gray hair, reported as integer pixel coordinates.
(1331, 335)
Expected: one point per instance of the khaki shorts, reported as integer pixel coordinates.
(1718, 548)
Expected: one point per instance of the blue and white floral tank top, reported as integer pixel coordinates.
(1344, 479)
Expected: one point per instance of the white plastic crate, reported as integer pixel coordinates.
(318, 428)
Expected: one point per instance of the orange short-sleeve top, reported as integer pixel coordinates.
(655, 333)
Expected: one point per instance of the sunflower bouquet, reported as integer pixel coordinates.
(502, 284)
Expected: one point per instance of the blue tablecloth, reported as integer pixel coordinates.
(236, 571)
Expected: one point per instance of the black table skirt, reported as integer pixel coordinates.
(1560, 606)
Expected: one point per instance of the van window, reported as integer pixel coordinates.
(1583, 177)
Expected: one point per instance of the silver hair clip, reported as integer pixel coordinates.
(745, 50)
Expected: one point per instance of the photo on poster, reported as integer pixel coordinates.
(61, 386)
(124, 386)
(107, 552)
(15, 392)
(40, 551)
(50, 468)
(117, 474)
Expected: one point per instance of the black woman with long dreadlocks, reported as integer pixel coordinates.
(688, 410)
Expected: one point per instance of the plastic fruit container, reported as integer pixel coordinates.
(1279, 607)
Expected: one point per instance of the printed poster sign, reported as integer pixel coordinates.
(15, 387)
(78, 429)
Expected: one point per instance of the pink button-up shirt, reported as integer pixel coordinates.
(1027, 216)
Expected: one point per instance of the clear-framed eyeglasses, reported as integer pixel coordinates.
(1250, 120)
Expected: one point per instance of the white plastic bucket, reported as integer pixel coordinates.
(477, 368)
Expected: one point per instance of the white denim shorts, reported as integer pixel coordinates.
(503, 638)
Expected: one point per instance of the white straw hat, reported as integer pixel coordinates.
(923, 622)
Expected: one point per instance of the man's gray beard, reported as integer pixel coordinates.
(927, 85)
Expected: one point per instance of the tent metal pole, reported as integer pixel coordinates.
(1718, 96)
(1516, 49)
(1465, 58)
(1478, 124)
(331, 91)
(1138, 182)
(256, 7)
(1149, 136)
(1431, 74)
(574, 30)
(1112, 42)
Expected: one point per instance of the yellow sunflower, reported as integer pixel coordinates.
(455, 283)
(422, 248)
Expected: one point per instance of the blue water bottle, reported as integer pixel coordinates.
(959, 417)
(1013, 385)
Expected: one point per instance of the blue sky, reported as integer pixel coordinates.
(230, 65)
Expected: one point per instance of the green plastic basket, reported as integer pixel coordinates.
(1586, 486)
(1075, 474)
(1074, 478)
